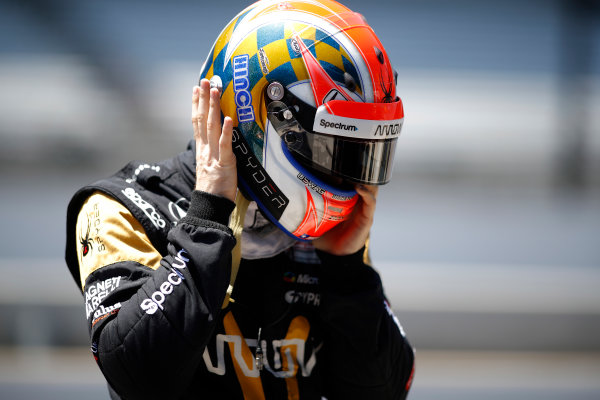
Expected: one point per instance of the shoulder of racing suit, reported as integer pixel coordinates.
(157, 195)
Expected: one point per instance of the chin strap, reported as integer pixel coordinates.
(236, 223)
(367, 253)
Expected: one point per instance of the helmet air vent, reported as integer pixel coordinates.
(349, 82)
(379, 54)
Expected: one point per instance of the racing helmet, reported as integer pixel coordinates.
(312, 96)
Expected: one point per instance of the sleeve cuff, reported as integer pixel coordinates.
(210, 207)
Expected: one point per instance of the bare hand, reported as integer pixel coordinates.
(216, 171)
(350, 236)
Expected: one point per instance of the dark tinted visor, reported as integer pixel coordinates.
(367, 162)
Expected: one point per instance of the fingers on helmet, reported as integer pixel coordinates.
(225, 141)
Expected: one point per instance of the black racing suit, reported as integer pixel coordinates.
(303, 324)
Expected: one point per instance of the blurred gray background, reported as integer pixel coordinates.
(488, 238)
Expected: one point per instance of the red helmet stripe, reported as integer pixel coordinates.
(370, 111)
(322, 84)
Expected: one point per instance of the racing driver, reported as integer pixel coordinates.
(239, 268)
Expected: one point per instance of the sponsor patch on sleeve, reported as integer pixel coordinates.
(108, 233)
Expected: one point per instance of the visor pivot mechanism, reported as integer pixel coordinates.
(275, 91)
(216, 82)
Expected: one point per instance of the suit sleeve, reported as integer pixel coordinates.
(151, 317)
(366, 351)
